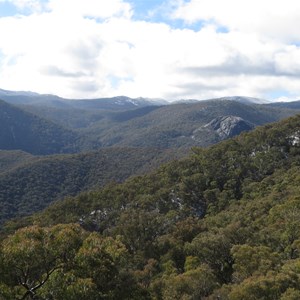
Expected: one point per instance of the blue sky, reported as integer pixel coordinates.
(142, 8)
(159, 11)
(173, 49)
(7, 9)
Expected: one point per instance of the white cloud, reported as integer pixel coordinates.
(272, 18)
(94, 48)
(91, 8)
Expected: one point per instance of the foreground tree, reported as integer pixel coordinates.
(33, 254)
(65, 262)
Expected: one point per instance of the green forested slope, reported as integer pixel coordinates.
(29, 184)
(10, 159)
(24, 131)
(181, 125)
(173, 125)
(221, 224)
(78, 118)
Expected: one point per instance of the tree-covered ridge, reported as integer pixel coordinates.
(218, 170)
(181, 125)
(24, 131)
(47, 124)
(30, 183)
(221, 224)
(173, 125)
(78, 118)
(10, 159)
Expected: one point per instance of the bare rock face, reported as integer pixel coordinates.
(229, 126)
(219, 129)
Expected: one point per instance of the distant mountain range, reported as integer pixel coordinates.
(175, 125)
(291, 105)
(48, 124)
(246, 100)
(114, 103)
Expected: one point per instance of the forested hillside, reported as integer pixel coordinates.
(24, 131)
(184, 231)
(29, 183)
(220, 224)
(122, 121)
(173, 125)
(10, 159)
(78, 118)
(53, 125)
(186, 125)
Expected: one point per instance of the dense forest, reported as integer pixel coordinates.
(222, 223)
(49, 125)
(168, 126)
(30, 183)
(21, 130)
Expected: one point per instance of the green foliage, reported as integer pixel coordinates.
(31, 184)
(271, 286)
(250, 261)
(66, 285)
(193, 284)
(32, 254)
(63, 262)
(290, 294)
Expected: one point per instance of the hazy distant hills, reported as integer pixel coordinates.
(56, 125)
(176, 125)
(245, 100)
(20, 130)
(119, 103)
(291, 105)
(75, 118)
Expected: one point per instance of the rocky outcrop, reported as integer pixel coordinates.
(229, 126)
(222, 128)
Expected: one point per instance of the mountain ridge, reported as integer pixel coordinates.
(21, 130)
(145, 126)
(117, 102)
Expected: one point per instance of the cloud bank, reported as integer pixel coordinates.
(195, 49)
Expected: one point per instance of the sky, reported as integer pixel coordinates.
(172, 49)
